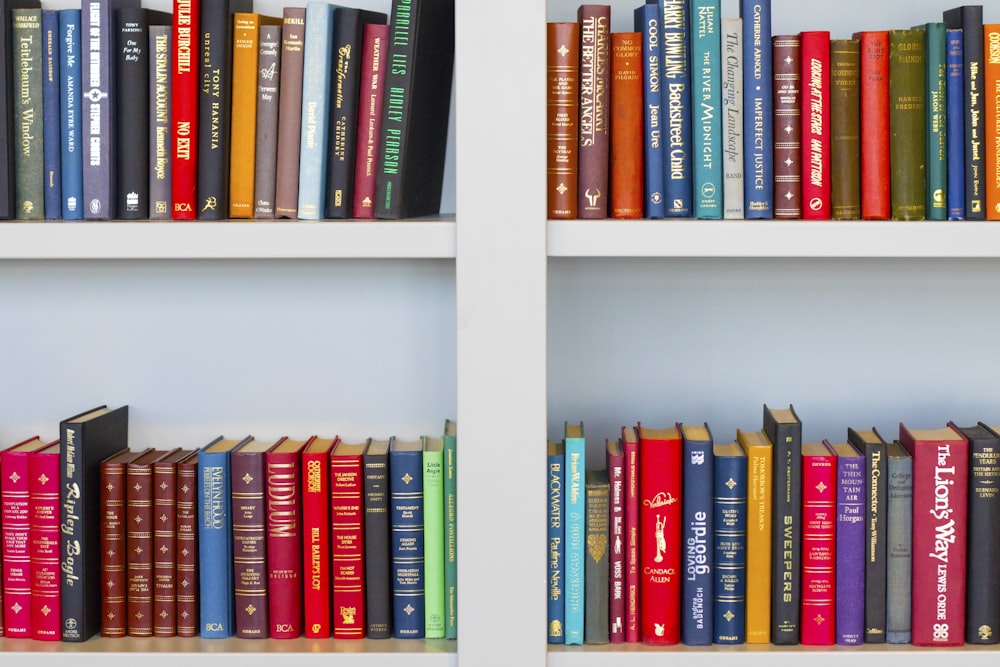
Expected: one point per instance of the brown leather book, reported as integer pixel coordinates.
(786, 54)
(845, 125)
(293, 36)
(187, 546)
(563, 120)
(626, 125)
(164, 543)
(595, 109)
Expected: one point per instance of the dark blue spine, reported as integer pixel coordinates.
(557, 603)
(71, 152)
(50, 114)
(675, 93)
(647, 22)
(696, 586)
(730, 534)
(758, 110)
(406, 514)
(955, 96)
(215, 546)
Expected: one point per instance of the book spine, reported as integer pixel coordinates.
(595, 109)
(819, 549)
(43, 500)
(29, 158)
(451, 536)
(626, 130)
(71, 157)
(406, 512)
(215, 546)
(729, 534)
(575, 508)
(316, 543)
(786, 536)
(113, 550)
(184, 84)
(16, 525)
(373, 69)
(876, 539)
(815, 124)
(955, 112)
(187, 547)
(706, 66)
(616, 551)
(243, 119)
(936, 48)
(758, 137)
(982, 617)
(732, 111)
(164, 578)
(7, 124)
(647, 21)
(899, 545)
(787, 90)
(131, 71)
(969, 18)
(50, 109)
(433, 462)
(347, 523)
(596, 567)
(907, 123)
(249, 540)
(631, 450)
(760, 473)
(139, 542)
(378, 591)
(845, 129)
(266, 150)
(875, 173)
(317, 76)
(284, 544)
(697, 595)
(991, 122)
(556, 540)
(675, 93)
(159, 122)
(286, 184)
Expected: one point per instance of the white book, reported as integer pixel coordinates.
(732, 117)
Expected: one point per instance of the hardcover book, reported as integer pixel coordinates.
(283, 506)
(815, 124)
(675, 92)
(556, 609)
(266, 150)
(732, 117)
(874, 84)
(935, 50)
(625, 103)
(955, 113)
(969, 18)
(787, 91)
(286, 185)
(50, 112)
(29, 159)
(185, 82)
(71, 152)
(451, 529)
(433, 469)
(574, 506)
(647, 21)
(406, 512)
(160, 148)
(760, 461)
(347, 524)
(249, 521)
(845, 129)
(86, 440)
(378, 569)
(630, 445)
(370, 96)
(819, 544)
(706, 102)
(615, 460)
(316, 537)
(758, 119)
(165, 542)
(875, 501)
(699, 496)
(991, 86)
(849, 595)
(899, 545)
(43, 536)
(595, 110)
(597, 574)
(317, 63)
(187, 547)
(729, 534)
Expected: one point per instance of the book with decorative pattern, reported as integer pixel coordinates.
(728, 544)
(165, 540)
(187, 547)
(347, 549)
(378, 582)
(249, 537)
(406, 512)
(819, 544)
(787, 92)
(43, 535)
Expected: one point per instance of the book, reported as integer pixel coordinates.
(165, 542)
(935, 108)
(706, 102)
(728, 536)
(593, 191)
(660, 521)
(758, 119)
(378, 567)
(556, 603)
(159, 122)
(71, 152)
(647, 21)
(845, 129)
(406, 513)
(732, 113)
(316, 537)
(187, 547)
(815, 124)
(216, 595)
(283, 507)
(625, 107)
(899, 544)
(215, 71)
(819, 544)
(317, 63)
(614, 455)
(873, 446)
(991, 121)
(348, 35)
(249, 522)
(969, 18)
(347, 523)
(51, 115)
(630, 446)
(697, 503)
(596, 568)
(86, 439)
(908, 124)
(784, 429)
(575, 508)
(874, 85)
(376, 37)
(29, 115)
(940, 502)
(43, 538)
(451, 528)
(266, 132)
(787, 91)
(849, 598)
(433, 471)
(415, 108)
(760, 471)
(286, 185)
(185, 80)
(955, 92)
(675, 93)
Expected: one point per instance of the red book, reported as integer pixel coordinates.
(787, 92)
(184, 84)
(628, 112)
(616, 551)
(660, 462)
(815, 124)
(819, 543)
(940, 500)
(165, 543)
(991, 150)
(187, 547)
(347, 519)
(875, 175)
(43, 531)
(316, 536)
(15, 523)
(113, 548)
(284, 538)
(376, 38)
(630, 445)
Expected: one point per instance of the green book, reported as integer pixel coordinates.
(434, 611)
(936, 47)
(450, 532)
(29, 177)
(907, 124)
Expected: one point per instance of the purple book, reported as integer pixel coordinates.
(616, 476)
(850, 587)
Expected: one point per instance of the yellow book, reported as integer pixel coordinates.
(758, 557)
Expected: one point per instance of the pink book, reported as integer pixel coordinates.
(43, 532)
(815, 52)
(630, 445)
(369, 118)
(616, 543)
(819, 544)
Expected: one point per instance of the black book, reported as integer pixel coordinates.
(784, 429)
(214, 105)
(348, 34)
(969, 18)
(86, 439)
(378, 574)
(7, 188)
(982, 585)
(415, 108)
(132, 106)
(873, 445)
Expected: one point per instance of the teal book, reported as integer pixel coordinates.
(575, 504)
(406, 536)
(706, 103)
(316, 83)
(28, 136)
(450, 531)
(936, 108)
(434, 606)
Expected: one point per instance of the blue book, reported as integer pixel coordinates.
(316, 81)
(71, 153)
(758, 111)
(955, 96)
(675, 95)
(406, 533)
(556, 601)
(851, 549)
(706, 72)
(50, 114)
(575, 509)
(647, 22)
(729, 543)
(215, 539)
(697, 582)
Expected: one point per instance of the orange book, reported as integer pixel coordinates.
(991, 88)
(626, 125)
(758, 546)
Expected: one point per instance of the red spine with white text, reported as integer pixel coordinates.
(875, 175)
(815, 45)
(283, 496)
(43, 534)
(347, 520)
(630, 445)
(184, 83)
(316, 536)
(819, 544)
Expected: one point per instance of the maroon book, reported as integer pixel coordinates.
(787, 92)
(875, 174)
(43, 534)
(165, 543)
(247, 470)
(347, 519)
(616, 539)
(284, 538)
(630, 445)
(373, 67)
(595, 109)
(816, 184)
(187, 546)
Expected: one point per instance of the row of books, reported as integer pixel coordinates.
(242, 537)
(673, 537)
(695, 115)
(215, 111)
